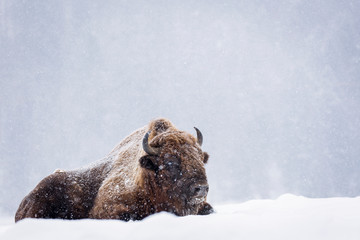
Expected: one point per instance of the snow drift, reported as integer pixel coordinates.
(288, 217)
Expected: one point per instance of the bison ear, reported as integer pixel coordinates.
(206, 157)
(148, 162)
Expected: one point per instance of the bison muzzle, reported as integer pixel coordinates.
(156, 168)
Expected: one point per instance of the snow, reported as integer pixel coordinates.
(287, 217)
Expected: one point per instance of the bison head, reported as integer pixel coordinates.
(177, 166)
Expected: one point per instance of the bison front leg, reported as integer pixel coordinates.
(205, 209)
(117, 208)
(110, 211)
(120, 212)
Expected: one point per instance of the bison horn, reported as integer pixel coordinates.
(199, 136)
(149, 150)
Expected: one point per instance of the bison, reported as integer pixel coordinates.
(156, 168)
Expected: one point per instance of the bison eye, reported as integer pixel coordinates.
(170, 164)
(171, 160)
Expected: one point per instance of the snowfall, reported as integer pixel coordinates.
(287, 217)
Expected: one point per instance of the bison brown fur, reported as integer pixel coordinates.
(156, 168)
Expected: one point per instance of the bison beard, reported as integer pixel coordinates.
(156, 168)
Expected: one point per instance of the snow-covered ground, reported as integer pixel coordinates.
(288, 217)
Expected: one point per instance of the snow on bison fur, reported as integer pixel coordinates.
(157, 168)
